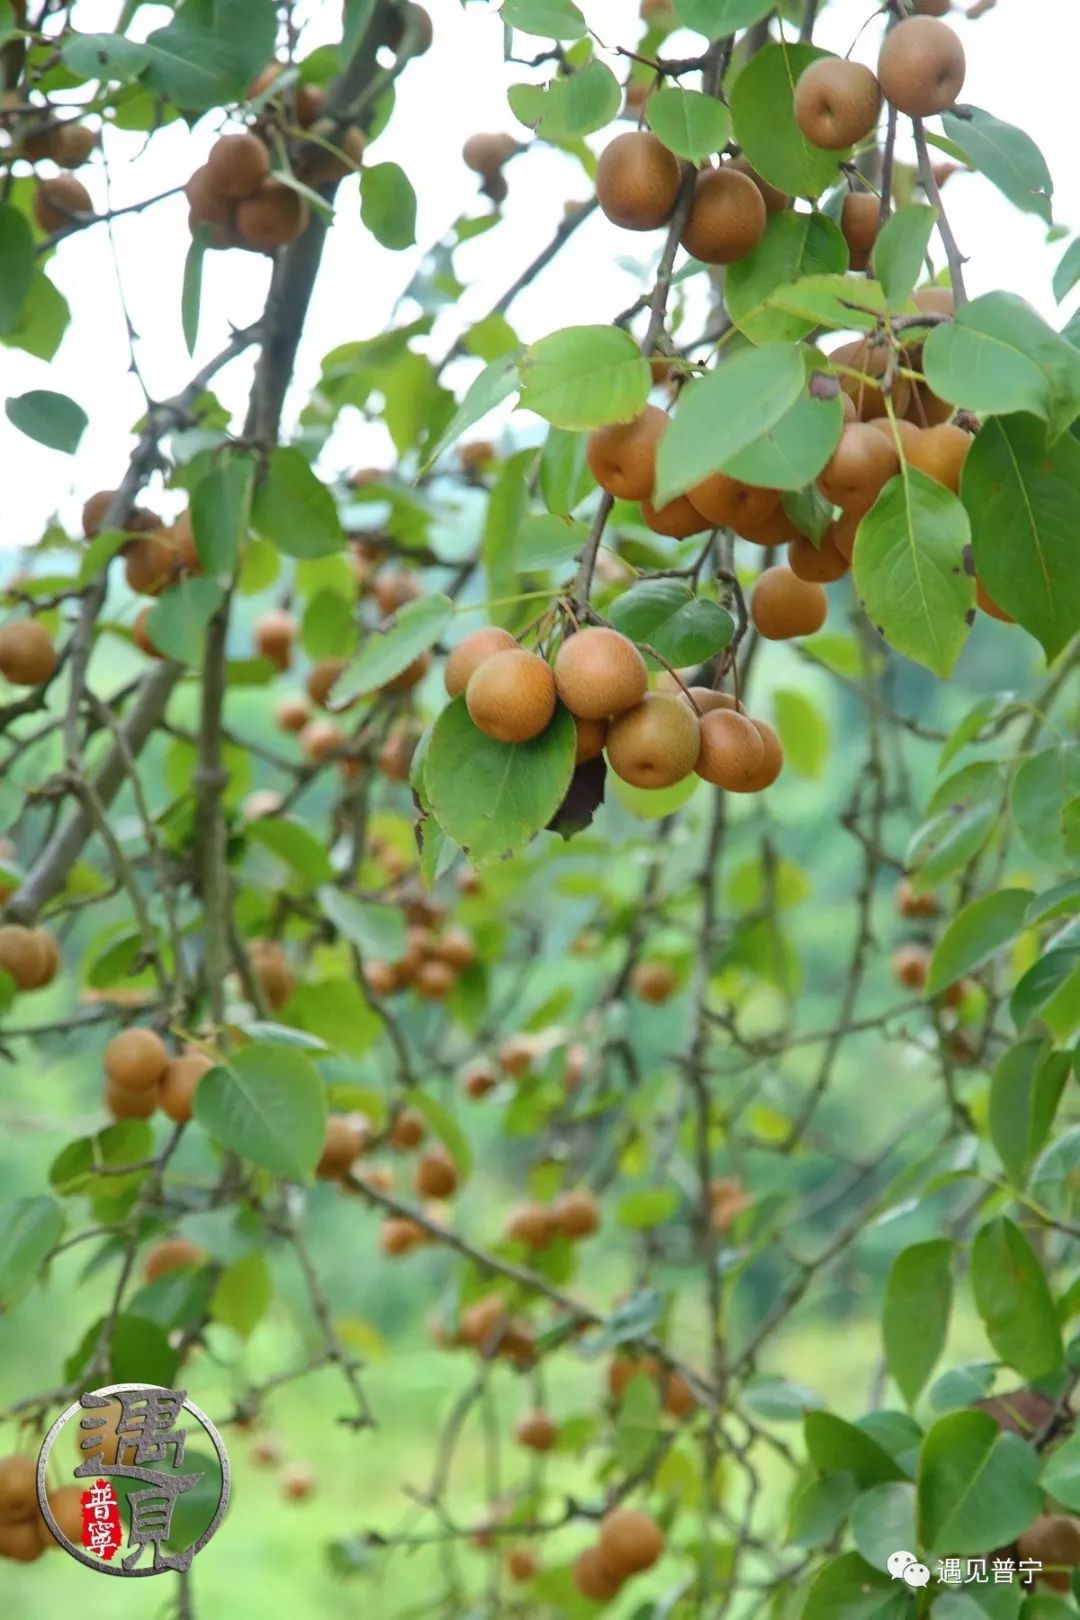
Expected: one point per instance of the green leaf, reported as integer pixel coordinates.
(791, 454)
(565, 479)
(978, 1488)
(52, 419)
(1067, 273)
(548, 19)
(491, 798)
(637, 1425)
(1061, 1474)
(690, 123)
(546, 541)
(506, 510)
(718, 18)
(178, 619)
(915, 1318)
(1042, 786)
(909, 570)
(999, 356)
(388, 205)
(726, 412)
(416, 627)
(43, 319)
(294, 844)
(570, 106)
(328, 629)
(77, 1167)
(1006, 156)
(193, 67)
(104, 56)
(900, 251)
(1060, 901)
(495, 383)
(221, 511)
(841, 302)
(803, 731)
(883, 1520)
(29, 1230)
(848, 1588)
(1025, 1090)
(294, 510)
(1013, 1299)
(762, 107)
(139, 1352)
(1021, 498)
(837, 1446)
(975, 934)
(667, 615)
(585, 377)
(653, 804)
(191, 292)
(375, 929)
(820, 1508)
(647, 1207)
(794, 245)
(243, 1294)
(1036, 991)
(266, 1104)
(17, 260)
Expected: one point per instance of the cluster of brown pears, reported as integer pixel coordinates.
(234, 194)
(637, 186)
(921, 70)
(142, 1076)
(24, 1535)
(431, 964)
(652, 739)
(61, 200)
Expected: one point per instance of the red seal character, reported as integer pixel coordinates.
(101, 1533)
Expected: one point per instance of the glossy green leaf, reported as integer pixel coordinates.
(1040, 985)
(416, 627)
(726, 412)
(585, 377)
(883, 1520)
(1013, 1299)
(803, 732)
(52, 419)
(999, 356)
(794, 245)
(690, 123)
(178, 619)
(848, 1588)
(900, 251)
(294, 510)
(371, 926)
(388, 205)
(243, 1294)
(718, 18)
(549, 19)
(1021, 497)
(915, 1319)
(1042, 786)
(1025, 1090)
(841, 302)
(495, 383)
(220, 512)
(17, 259)
(975, 934)
(910, 572)
(265, 1102)
(762, 107)
(835, 1445)
(294, 844)
(507, 507)
(565, 479)
(793, 452)
(491, 798)
(30, 1228)
(666, 614)
(1006, 156)
(569, 106)
(978, 1488)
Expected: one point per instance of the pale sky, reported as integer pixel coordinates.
(457, 89)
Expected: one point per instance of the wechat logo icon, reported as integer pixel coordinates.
(904, 1566)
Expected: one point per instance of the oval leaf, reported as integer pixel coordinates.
(52, 419)
(266, 1104)
(974, 934)
(915, 1321)
(690, 123)
(978, 1488)
(294, 510)
(667, 615)
(1013, 1299)
(491, 798)
(585, 376)
(416, 627)
(726, 412)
